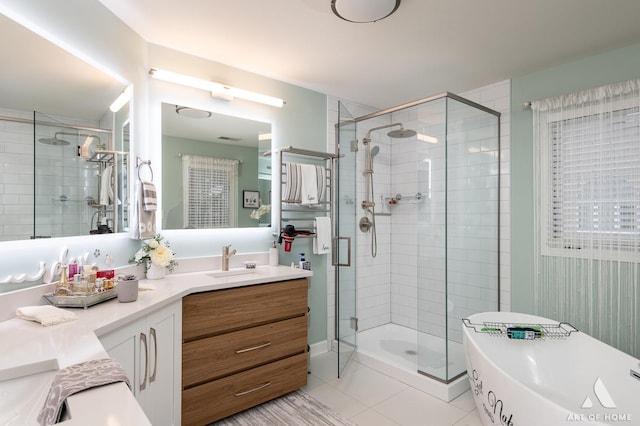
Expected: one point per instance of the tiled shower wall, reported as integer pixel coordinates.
(62, 175)
(387, 284)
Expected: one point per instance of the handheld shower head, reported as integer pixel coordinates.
(374, 151)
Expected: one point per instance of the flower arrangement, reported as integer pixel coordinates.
(155, 251)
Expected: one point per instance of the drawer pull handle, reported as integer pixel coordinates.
(262, 386)
(264, 345)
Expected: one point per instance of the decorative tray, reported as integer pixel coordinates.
(80, 300)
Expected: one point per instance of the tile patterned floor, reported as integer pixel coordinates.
(370, 398)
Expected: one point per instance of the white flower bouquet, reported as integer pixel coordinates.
(157, 252)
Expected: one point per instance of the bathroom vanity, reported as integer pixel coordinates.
(242, 347)
(196, 346)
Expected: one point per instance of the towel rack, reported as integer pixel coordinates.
(303, 215)
(140, 163)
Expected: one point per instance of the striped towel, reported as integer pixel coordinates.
(149, 202)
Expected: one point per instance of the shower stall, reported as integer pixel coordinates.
(417, 209)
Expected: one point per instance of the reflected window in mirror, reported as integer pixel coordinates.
(232, 148)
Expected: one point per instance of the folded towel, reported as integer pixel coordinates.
(144, 222)
(149, 201)
(308, 184)
(46, 315)
(322, 240)
(77, 378)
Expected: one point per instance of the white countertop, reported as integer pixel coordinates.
(29, 343)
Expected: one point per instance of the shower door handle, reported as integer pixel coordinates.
(334, 252)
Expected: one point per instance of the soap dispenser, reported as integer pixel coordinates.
(273, 255)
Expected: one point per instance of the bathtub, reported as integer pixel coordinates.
(571, 380)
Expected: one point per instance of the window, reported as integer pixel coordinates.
(591, 198)
(209, 192)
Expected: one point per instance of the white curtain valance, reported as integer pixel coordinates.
(588, 96)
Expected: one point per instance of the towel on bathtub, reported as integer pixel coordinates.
(76, 378)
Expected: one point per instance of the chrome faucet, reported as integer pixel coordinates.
(226, 254)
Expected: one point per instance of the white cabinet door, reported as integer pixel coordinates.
(123, 345)
(149, 350)
(163, 395)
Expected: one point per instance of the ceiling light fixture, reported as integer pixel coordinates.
(364, 11)
(217, 90)
(192, 112)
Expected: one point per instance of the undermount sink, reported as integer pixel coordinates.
(231, 273)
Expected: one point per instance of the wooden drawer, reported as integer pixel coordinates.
(215, 312)
(221, 398)
(213, 357)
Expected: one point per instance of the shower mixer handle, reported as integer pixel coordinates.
(367, 204)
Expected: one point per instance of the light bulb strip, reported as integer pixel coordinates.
(218, 90)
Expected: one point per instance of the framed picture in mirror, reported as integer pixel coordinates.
(250, 199)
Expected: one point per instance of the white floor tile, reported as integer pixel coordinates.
(336, 400)
(368, 386)
(372, 418)
(465, 401)
(471, 419)
(413, 407)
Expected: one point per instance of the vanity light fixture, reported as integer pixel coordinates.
(217, 90)
(364, 11)
(121, 100)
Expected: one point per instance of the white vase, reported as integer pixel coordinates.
(155, 272)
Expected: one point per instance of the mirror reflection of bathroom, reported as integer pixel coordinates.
(78, 179)
(216, 141)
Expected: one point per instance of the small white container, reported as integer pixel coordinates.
(273, 255)
(127, 291)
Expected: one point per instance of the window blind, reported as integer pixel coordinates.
(210, 188)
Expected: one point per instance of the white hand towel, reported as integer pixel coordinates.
(309, 185)
(322, 240)
(321, 175)
(106, 191)
(46, 315)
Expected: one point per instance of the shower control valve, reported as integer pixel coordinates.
(366, 204)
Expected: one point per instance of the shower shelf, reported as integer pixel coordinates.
(560, 330)
(405, 199)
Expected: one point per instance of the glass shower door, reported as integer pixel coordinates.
(345, 233)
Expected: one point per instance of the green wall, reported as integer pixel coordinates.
(610, 67)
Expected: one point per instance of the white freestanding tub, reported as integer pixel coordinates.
(570, 380)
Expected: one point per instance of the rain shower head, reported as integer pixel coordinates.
(54, 141)
(402, 133)
(399, 133)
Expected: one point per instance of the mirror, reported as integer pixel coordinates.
(53, 106)
(200, 153)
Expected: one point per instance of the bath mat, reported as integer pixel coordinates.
(294, 409)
